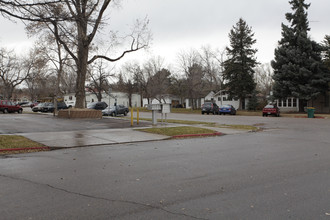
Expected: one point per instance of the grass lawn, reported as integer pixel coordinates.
(15, 142)
(172, 131)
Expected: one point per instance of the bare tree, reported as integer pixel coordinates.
(190, 65)
(179, 86)
(75, 23)
(12, 72)
(211, 67)
(125, 85)
(159, 85)
(150, 68)
(99, 76)
(264, 79)
(38, 69)
(139, 79)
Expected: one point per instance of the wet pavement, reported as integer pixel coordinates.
(82, 138)
(66, 133)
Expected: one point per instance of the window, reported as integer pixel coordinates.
(289, 102)
(219, 99)
(280, 103)
(70, 97)
(294, 102)
(224, 98)
(284, 103)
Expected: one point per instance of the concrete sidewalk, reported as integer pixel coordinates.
(81, 138)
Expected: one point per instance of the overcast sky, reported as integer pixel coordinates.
(179, 25)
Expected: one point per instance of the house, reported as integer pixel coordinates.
(115, 97)
(222, 98)
(166, 98)
(288, 105)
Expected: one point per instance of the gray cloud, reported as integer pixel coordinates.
(185, 24)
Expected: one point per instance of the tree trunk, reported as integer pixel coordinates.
(82, 62)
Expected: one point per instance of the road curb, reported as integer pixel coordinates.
(27, 148)
(317, 117)
(198, 135)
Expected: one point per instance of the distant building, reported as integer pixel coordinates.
(222, 98)
(118, 97)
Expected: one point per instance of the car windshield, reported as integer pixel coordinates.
(207, 104)
(269, 106)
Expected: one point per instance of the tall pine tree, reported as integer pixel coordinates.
(239, 67)
(298, 68)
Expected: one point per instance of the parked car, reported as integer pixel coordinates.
(39, 107)
(22, 104)
(9, 106)
(97, 105)
(111, 110)
(27, 104)
(34, 104)
(70, 104)
(271, 110)
(227, 109)
(210, 107)
(50, 107)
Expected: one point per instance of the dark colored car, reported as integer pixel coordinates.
(115, 110)
(210, 107)
(39, 107)
(22, 103)
(50, 107)
(227, 109)
(97, 105)
(9, 106)
(271, 110)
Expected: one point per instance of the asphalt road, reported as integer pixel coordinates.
(282, 172)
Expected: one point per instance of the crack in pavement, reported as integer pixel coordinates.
(146, 206)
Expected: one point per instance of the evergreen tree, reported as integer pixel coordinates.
(298, 68)
(239, 67)
(326, 51)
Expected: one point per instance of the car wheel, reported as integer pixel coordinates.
(202, 113)
(125, 113)
(208, 113)
(19, 111)
(5, 111)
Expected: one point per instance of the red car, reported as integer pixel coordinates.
(9, 106)
(271, 110)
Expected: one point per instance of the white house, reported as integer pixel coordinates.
(222, 98)
(119, 97)
(288, 105)
(166, 98)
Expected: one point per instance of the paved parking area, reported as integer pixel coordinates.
(32, 123)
